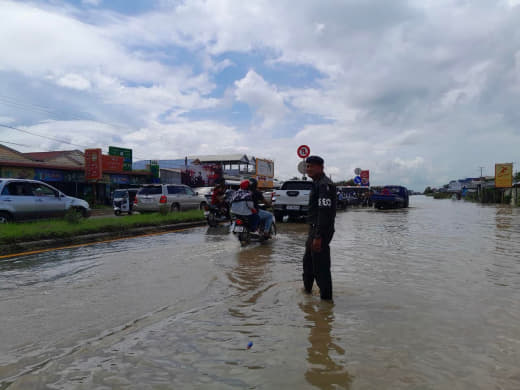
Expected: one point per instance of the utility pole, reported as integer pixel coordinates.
(481, 168)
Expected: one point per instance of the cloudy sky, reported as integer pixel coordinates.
(419, 92)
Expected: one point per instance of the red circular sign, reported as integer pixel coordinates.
(304, 151)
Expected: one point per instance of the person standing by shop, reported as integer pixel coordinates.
(322, 213)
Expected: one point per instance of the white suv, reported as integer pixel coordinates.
(174, 197)
(31, 199)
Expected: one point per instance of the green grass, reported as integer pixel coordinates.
(60, 228)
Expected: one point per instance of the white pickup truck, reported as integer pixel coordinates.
(292, 199)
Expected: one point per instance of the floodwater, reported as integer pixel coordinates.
(425, 298)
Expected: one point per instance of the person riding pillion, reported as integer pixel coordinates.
(242, 203)
(322, 213)
(266, 218)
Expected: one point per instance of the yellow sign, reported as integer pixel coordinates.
(504, 175)
(264, 168)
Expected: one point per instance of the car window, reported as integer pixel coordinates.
(297, 185)
(175, 190)
(189, 191)
(42, 190)
(120, 194)
(151, 190)
(18, 188)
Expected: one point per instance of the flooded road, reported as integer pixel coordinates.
(425, 298)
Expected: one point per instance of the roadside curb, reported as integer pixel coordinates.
(19, 247)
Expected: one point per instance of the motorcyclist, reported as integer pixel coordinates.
(218, 196)
(266, 218)
(242, 204)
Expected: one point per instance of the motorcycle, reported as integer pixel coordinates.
(242, 227)
(215, 215)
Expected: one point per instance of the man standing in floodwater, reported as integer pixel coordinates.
(322, 213)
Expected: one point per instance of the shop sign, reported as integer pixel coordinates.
(122, 152)
(51, 175)
(120, 179)
(93, 164)
(112, 163)
(17, 173)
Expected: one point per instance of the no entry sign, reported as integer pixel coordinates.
(303, 151)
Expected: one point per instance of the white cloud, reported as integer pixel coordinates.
(74, 81)
(262, 97)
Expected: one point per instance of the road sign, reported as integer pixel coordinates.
(303, 151)
(122, 152)
(357, 171)
(357, 180)
(301, 167)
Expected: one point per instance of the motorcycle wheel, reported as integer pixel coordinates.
(244, 238)
(272, 230)
(212, 221)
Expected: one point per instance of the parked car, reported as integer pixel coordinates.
(176, 197)
(22, 199)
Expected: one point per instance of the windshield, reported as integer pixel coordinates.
(119, 193)
(297, 185)
(152, 190)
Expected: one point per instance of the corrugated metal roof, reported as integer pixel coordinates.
(221, 158)
(8, 154)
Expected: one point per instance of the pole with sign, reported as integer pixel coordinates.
(303, 152)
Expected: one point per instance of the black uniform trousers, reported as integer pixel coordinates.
(316, 265)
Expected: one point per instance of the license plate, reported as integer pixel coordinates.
(292, 207)
(238, 229)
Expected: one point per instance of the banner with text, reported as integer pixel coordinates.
(93, 164)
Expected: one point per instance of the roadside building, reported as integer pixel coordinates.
(65, 170)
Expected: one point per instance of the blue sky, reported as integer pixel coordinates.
(418, 92)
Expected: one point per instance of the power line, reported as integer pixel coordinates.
(53, 139)
(43, 136)
(13, 143)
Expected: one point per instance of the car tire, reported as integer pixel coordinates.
(5, 217)
(202, 206)
(117, 212)
(175, 208)
(278, 216)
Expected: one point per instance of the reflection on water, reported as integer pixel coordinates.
(323, 372)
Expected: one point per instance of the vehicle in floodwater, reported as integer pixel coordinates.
(391, 197)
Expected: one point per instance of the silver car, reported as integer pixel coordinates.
(31, 199)
(175, 197)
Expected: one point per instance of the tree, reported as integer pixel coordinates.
(428, 190)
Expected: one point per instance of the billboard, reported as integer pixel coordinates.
(201, 175)
(365, 178)
(504, 175)
(112, 163)
(264, 168)
(93, 164)
(122, 152)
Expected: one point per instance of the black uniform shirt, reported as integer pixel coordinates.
(322, 206)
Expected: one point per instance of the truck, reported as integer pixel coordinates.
(292, 199)
(391, 197)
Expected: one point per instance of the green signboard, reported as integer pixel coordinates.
(154, 169)
(122, 152)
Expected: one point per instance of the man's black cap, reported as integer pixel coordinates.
(317, 160)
